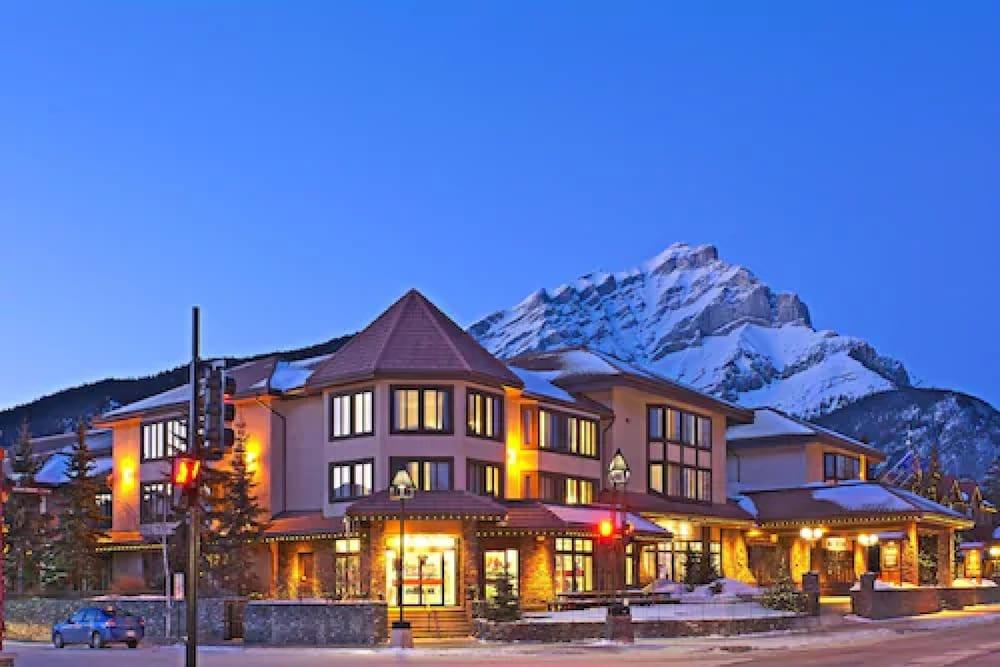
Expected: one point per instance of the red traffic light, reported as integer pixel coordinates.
(186, 471)
(605, 528)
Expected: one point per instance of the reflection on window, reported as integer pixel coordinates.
(427, 474)
(351, 479)
(484, 479)
(351, 414)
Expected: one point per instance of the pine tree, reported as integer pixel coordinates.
(990, 487)
(241, 522)
(71, 559)
(27, 524)
(934, 475)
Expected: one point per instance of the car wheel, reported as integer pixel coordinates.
(96, 641)
(132, 643)
(57, 640)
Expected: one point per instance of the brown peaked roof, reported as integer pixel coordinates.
(412, 338)
(429, 504)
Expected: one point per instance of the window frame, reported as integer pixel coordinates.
(498, 412)
(393, 468)
(836, 457)
(666, 437)
(167, 492)
(449, 413)
(579, 547)
(353, 394)
(470, 464)
(562, 433)
(561, 482)
(350, 465)
(165, 455)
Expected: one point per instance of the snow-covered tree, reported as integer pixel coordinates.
(991, 483)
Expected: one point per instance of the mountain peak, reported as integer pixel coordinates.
(698, 319)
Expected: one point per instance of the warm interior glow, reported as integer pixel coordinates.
(252, 455)
(127, 470)
(995, 552)
(422, 541)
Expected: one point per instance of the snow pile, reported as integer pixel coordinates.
(723, 590)
(963, 582)
(884, 586)
(53, 471)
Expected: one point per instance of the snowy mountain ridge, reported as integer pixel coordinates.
(695, 318)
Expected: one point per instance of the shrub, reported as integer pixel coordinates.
(783, 595)
(504, 606)
(699, 571)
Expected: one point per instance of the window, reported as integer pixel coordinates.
(569, 490)
(484, 479)
(154, 502)
(527, 426)
(668, 560)
(427, 474)
(566, 433)
(163, 439)
(484, 415)
(676, 466)
(838, 467)
(574, 571)
(352, 414)
(347, 582)
(103, 500)
(351, 479)
(421, 410)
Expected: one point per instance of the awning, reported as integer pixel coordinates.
(533, 517)
(428, 505)
(293, 526)
(592, 516)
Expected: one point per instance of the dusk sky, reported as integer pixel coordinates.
(294, 167)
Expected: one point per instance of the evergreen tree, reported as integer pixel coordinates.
(71, 559)
(990, 487)
(934, 475)
(26, 523)
(241, 522)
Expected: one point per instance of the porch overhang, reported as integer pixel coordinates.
(429, 505)
(302, 526)
(536, 518)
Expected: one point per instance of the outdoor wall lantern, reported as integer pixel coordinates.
(811, 533)
(868, 540)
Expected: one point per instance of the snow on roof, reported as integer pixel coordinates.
(289, 375)
(175, 396)
(594, 515)
(768, 423)
(539, 383)
(747, 505)
(862, 498)
(53, 471)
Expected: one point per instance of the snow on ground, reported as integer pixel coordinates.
(884, 586)
(687, 611)
(963, 582)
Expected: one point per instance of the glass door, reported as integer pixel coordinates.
(499, 564)
(429, 572)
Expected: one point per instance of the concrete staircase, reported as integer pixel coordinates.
(435, 622)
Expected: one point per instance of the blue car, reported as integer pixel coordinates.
(99, 627)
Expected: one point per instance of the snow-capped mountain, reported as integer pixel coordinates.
(700, 320)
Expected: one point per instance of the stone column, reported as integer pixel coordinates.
(373, 562)
(908, 557)
(799, 559)
(537, 565)
(945, 557)
(735, 560)
(471, 562)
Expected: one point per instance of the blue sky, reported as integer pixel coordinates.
(327, 156)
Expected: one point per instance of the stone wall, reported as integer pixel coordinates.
(735, 559)
(315, 623)
(31, 619)
(881, 604)
(577, 631)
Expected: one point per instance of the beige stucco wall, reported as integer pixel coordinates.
(770, 467)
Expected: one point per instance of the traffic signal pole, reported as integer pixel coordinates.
(194, 509)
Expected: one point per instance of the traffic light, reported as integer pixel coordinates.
(605, 529)
(219, 413)
(186, 471)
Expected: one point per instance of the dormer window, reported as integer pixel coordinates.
(840, 468)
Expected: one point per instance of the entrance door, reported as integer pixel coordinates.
(838, 571)
(499, 564)
(430, 572)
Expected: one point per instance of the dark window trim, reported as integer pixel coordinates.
(837, 478)
(499, 437)
(450, 389)
(666, 484)
(469, 463)
(562, 478)
(665, 439)
(166, 455)
(167, 495)
(537, 419)
(393, 460)
(354, 433)
(351, 464)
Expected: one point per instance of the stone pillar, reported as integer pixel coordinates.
(799, 559)
(735, 560)
(945, 557)
(909, 556)
(471, 562)
(537, 564)
(373, 561)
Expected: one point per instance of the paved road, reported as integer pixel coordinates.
(941, 643)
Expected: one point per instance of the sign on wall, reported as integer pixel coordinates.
(836, 544)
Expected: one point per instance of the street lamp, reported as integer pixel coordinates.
(401, 489)
(618, 474)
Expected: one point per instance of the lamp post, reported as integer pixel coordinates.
(618, 474)
(401, 489)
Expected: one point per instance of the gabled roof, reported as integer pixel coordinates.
(832, 502)
(413, 338)
(577, 368)
(774, 427)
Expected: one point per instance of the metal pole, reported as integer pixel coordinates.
(402, 550)
(194, 522)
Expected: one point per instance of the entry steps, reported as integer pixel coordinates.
(435, 622)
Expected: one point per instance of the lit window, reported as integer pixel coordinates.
(163, 439)
(484, 415)
(421, 410)
(351, 414)
(427, 474)
(351, 479)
